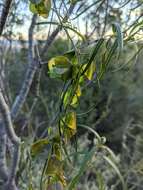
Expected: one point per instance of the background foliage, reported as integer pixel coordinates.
(109, 108)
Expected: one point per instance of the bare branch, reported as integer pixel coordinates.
(3, 167)
(14, 139)
(7, 120)
(50, 40)
(20, 99)
(57, 30)
(33, 65)
(4, 14)
(31, 30)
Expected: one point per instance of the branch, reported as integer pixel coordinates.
(8, 116)
(20, 99)
(4, 14)
(3, 167)
(30, 37)
(3, 138)
(7, 120)
(50, 40)
(57, 30)
(33, 65)
(10, 184)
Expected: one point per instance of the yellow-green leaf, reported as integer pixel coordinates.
(68, 133)
(75, 98)
(57, 151)
(68, 125)
(90, 71)
(33, 8)
(30, 187)
(55, 170)
(54, 166)
(59, 61)
(60, 67)
(70, 120)
(43, 8)
(38, 146)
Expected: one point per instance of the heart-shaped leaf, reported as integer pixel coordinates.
(42, 8)
(60, 67)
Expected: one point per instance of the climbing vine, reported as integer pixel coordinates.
(76, 69)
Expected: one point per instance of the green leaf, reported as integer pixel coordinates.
(71, 98)
(60, 67)
(108, 58)
(59, 61)
(76, 96)
(54, 166)
(90, 71)
(71, 55)
(134, 30)
(110, 152)
(83, 167)
(30, 187)
(136, 27)
(94, 53)
(32, 8)
(55, 171)
(68, 125)
(100, 181)
(113, 165)
(38, 146)
(91, 130)
(57, 150)
(42, 8)
(119, 35)
(70, 120)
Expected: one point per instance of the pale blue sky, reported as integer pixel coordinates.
(23, 9)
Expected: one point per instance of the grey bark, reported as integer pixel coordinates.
(6, 126)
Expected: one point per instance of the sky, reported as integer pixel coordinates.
(24, 12)
(23, 9)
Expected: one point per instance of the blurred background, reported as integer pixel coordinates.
(113, 107)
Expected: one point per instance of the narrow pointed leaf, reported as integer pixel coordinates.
(119, 35)
(113, 165)
(83, 167)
